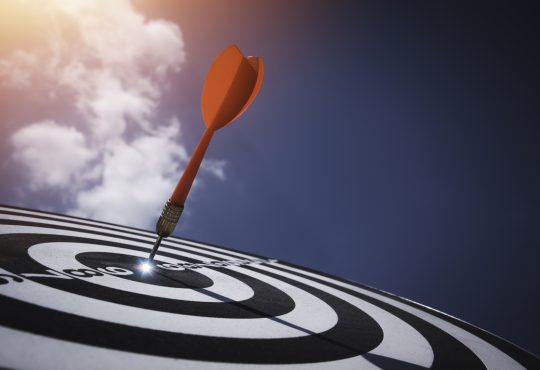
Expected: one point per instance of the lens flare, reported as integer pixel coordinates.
(145, 267)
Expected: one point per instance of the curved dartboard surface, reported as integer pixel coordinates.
(72, 294)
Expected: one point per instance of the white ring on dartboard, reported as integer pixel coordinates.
(306, 305)
(235, 351)
(491, 356)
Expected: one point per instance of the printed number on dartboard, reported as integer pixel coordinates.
(6, 278)
(68, 274)
(100, 271)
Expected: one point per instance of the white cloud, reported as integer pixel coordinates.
(215, 166)
(112, 66)
(136, 180)
(55, 155)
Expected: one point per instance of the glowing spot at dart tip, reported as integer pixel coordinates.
(145, 267)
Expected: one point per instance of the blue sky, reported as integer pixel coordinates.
(394, 144)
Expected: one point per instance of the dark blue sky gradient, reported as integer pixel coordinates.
(393, 143)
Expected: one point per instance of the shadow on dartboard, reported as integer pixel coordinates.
(74, 293)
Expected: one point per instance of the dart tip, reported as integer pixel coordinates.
(154, 250)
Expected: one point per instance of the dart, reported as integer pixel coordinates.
(232, 83)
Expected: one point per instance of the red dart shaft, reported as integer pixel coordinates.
(173, 208)
(181, 191)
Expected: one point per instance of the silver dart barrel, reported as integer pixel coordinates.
(166, 224)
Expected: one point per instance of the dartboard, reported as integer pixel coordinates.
(73, 294)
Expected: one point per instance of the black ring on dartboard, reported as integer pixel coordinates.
(255, 307)
(449, 353)
(341, 341)
(445, 356)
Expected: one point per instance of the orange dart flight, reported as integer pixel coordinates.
(231, 85)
